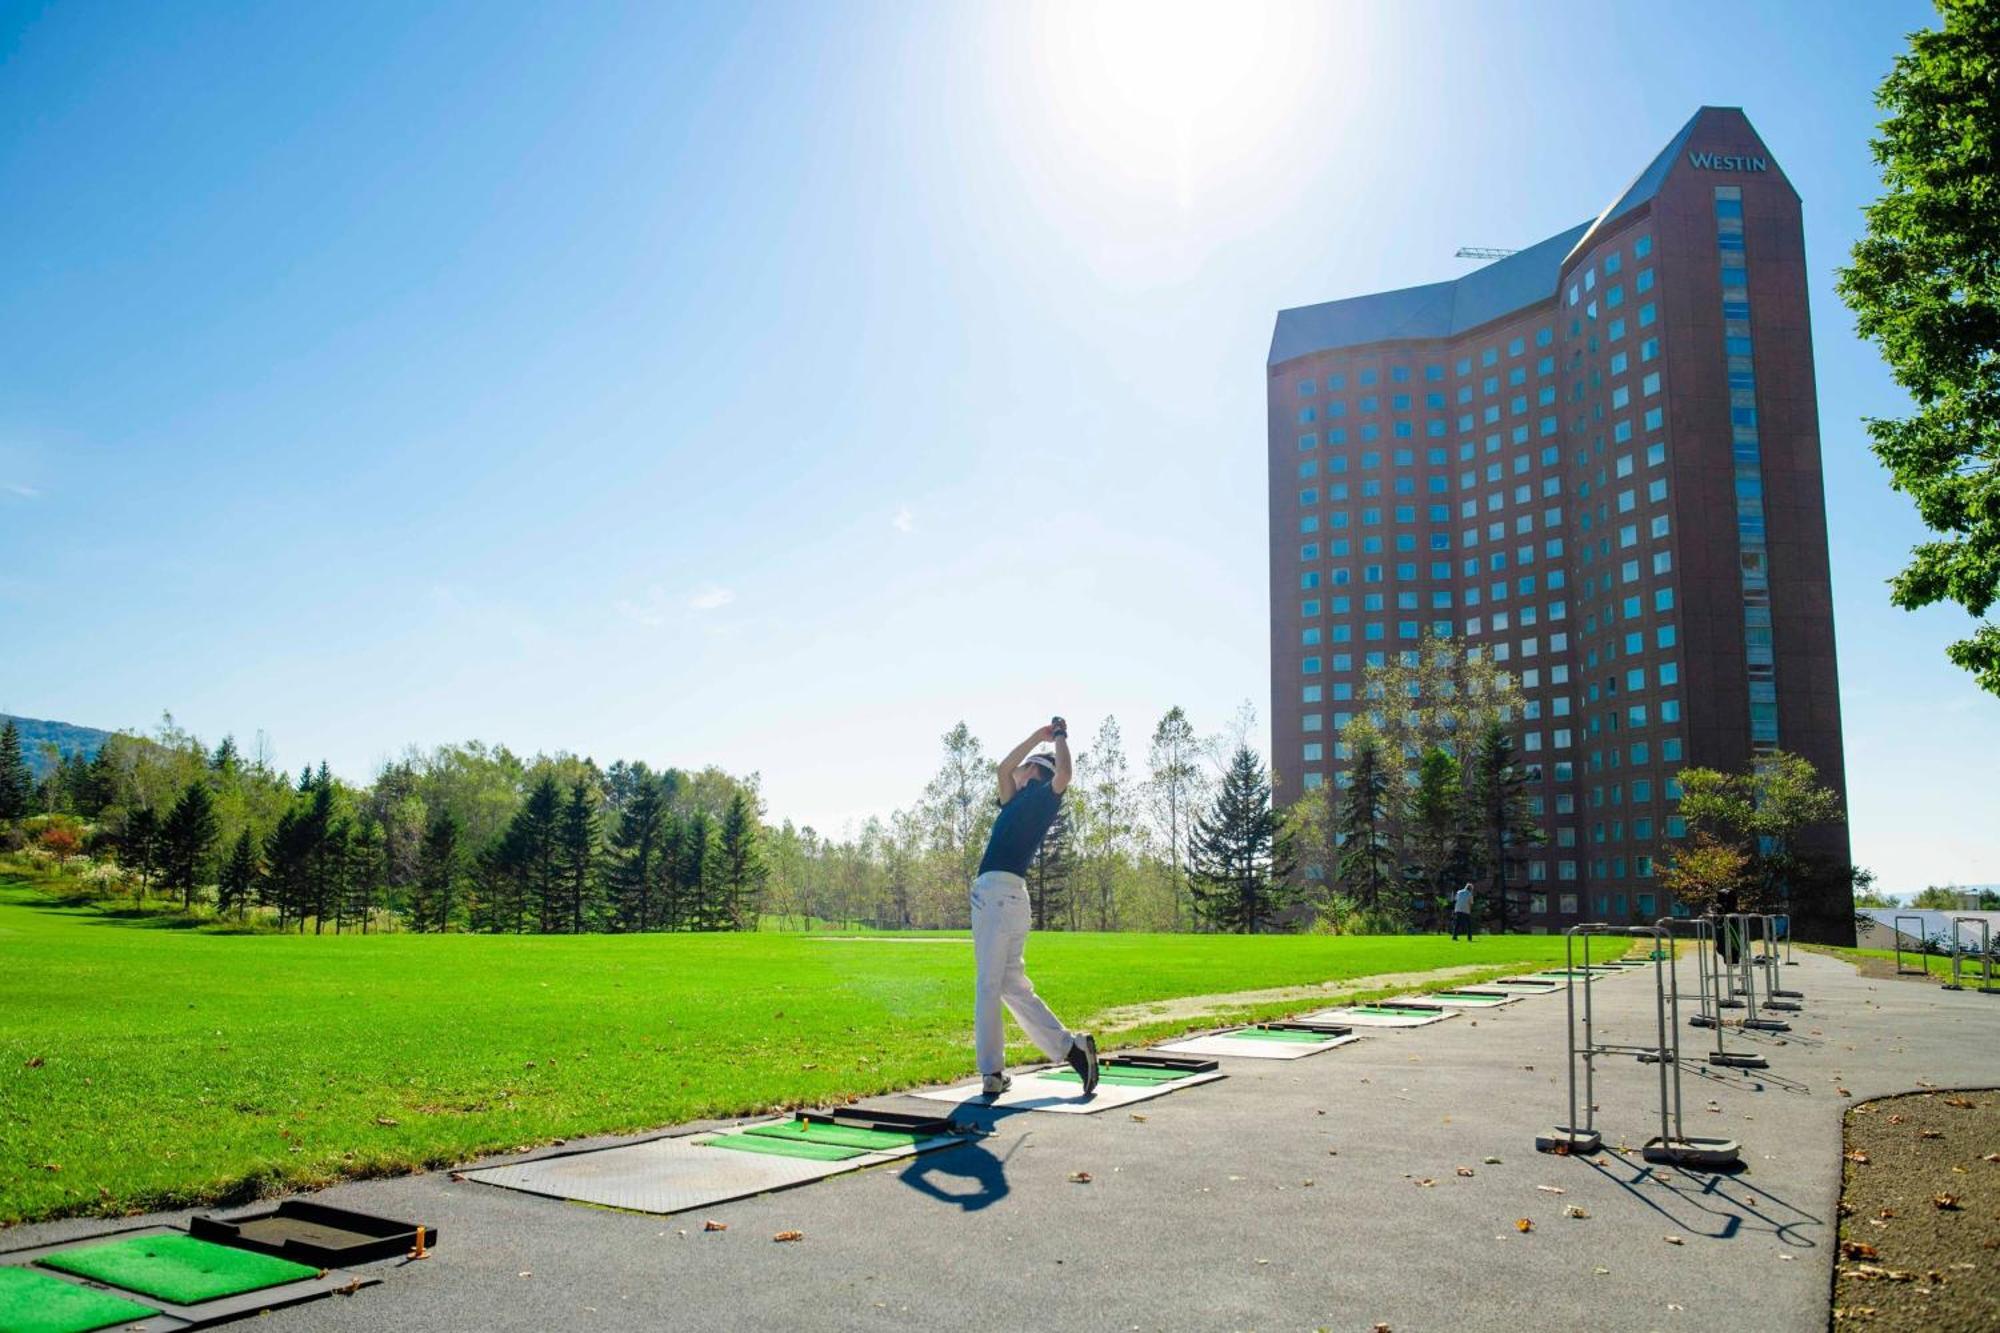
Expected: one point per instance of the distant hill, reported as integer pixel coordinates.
(67, 737)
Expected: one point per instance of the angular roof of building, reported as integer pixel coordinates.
(1444, 309)
(1647, 183)
(1436, 310)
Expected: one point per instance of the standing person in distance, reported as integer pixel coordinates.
(1461, 912)
(1032, 781)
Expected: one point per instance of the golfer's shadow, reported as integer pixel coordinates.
(984, 1175)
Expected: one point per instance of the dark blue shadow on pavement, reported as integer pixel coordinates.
(968, 1177)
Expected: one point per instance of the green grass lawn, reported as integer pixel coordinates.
(1938, 965)
(145, 1067)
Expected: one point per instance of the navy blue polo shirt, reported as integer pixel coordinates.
(1020, 827)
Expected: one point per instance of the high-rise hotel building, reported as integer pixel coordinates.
(1597, 461)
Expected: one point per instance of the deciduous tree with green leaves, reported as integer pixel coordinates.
(1925, 286)
(1707, 874)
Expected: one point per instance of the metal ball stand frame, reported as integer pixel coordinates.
(1922, 969)
(1743, 979)
(1580, 1135)
(1709, 970)
(1957, 981)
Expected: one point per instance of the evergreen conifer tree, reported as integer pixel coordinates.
(238, 878)
(102, 789)
(636, 852)
(282, 883)
(740, 868)
(439, 868)
(1502, 821)
(671, 901)
(1434, 833)
(578, 855)
(698, 882)
(187, 842)
(364, 871)
(17, 784)
(1050, 890)
(322, 838)
(1240, 876)
(139, 846)
(535, 837)
(1365, 868)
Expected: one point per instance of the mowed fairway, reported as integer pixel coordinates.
(143, 1066)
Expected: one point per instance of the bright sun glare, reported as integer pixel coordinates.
(1172, 90)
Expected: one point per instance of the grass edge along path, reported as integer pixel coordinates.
(145, 1069)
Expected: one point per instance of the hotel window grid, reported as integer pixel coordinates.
(1747, 456)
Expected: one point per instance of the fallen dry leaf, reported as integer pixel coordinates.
(1524, 1224)
(1673, 1240)
(1575, 1210)
(1854, 1249)
(52, 1166)
(35, 1062)
(789, 1235)
(458, 1176)
(1897, 1119)
(1551, 1189)
(1877, 1273)
(1930, 1133)
(714, 1226)
(1843, 1092)
(1991, 1157)
(1946, 1203)
(1963, 1103)
(1856, 1156)
(1426, 1182)
(1080, 1177)
(1495, 1161)
(1465, 1171)
(384, 1120)
(1136, 1116)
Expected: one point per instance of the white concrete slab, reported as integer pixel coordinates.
(1451, 1001)
(675, 1174)
(1032, 1092)
(1359, 1019)
(1228, 1045)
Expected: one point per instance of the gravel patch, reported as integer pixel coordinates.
(1920, 1213)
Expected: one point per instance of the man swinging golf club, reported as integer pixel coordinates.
(1032, 781)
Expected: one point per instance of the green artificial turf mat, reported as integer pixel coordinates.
(33, 1302)
(1280, 1034)
(1122, 1078)
(179, 1269)
(845, 1136)
(817, 1152)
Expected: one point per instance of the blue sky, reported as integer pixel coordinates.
(774, 386)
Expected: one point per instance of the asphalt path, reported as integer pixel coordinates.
(1343, 1191)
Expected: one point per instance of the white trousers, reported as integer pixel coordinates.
(999, 933)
